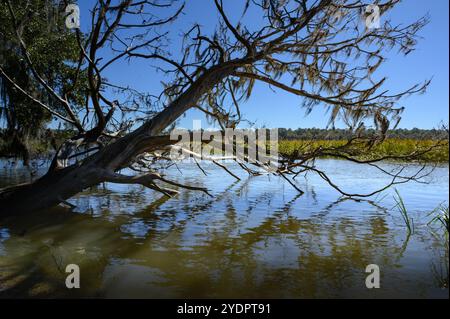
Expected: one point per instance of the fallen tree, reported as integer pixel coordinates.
(322, 49)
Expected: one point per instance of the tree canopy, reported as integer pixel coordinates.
(36, 31)
(319, 50)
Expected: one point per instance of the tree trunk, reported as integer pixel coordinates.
(58, 185)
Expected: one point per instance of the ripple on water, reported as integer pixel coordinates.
(256, 237)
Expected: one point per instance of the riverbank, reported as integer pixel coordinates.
(389, 147)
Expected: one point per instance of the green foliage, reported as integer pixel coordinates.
(54, 53)
(389, 147)
(400, 205)
(440, 215)
(341, 134)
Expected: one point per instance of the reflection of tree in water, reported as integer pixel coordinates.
(439, 263)
(218, 247)
(439, 266)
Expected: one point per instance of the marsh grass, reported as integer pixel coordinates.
(390, 147)
(440, 215)
(400, 205)
(440, 267)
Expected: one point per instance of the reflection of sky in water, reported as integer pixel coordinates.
(255, 238)
(4, 235)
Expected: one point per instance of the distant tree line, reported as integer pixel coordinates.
(47, 141)
(341, 134)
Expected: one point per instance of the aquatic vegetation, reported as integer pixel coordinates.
(389, 147)
(440, 266)
(400, 205)
(440, 215)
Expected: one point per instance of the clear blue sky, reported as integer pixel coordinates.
(281, 109)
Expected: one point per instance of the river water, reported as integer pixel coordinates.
(255, 238)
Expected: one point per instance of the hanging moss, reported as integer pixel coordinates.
(54, 52)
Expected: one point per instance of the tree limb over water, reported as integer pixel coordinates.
(318, 50)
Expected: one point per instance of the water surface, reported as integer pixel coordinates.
(255, 238)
